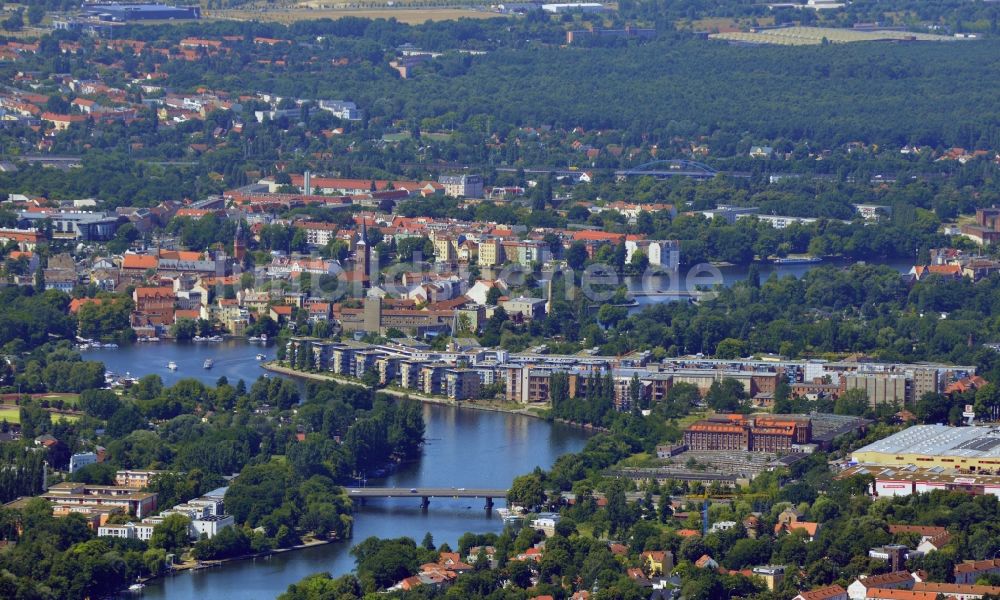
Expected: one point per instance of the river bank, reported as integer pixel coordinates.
(200, 565)
(534, 412)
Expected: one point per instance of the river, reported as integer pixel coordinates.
(464, 448)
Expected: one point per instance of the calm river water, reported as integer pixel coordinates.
(464, 448)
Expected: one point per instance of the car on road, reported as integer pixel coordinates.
(413, 490)
(461, 489)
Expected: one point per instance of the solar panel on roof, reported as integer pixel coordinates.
(980, 444)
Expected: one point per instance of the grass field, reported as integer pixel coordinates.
(69, 400)
(11, 415)
(402, 14)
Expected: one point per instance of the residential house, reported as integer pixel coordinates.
(810, 529)
(830, 592)
(657, 562)
(529, 309)
(971, 571)
(772, 575)
(896, 580)
(280, 313)
(957, 591)
(480, 291)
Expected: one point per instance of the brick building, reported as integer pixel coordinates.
(755, 433)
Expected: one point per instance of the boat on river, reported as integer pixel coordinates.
(172, 366)
(797, 260)
(209, 363)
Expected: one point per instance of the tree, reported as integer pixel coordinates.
(852, 402)
(493, 296)
(577, 255)
(663, 509)
(782, 393)
(635, 391)
(527, 491)
(932, 407)
(15, 22)
(171, 534)
(184, 329)
(639, 262)
(428, 542)
(618, 258)
(730, 348)
(36, 13)
(727, 395)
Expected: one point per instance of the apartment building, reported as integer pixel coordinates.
(465, 186)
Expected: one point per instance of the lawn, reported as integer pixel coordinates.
(690, 418)
(69, 400)
(11, 415)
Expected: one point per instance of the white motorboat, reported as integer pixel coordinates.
(208, 363)
(260, 357)
(172, 366)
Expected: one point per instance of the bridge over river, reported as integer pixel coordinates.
(426, 493)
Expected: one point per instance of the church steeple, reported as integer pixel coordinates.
(239, 246)
(362, 254)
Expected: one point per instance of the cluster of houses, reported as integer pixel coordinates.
(101, 504)
(206, 518)
(655, 571)
(904, 585)
(98, 503)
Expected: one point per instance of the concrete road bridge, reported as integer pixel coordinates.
(426, 493)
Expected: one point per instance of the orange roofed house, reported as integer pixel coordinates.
(830, 592)
(154, 306)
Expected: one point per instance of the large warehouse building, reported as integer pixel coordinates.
(968, 449)
(140, 12)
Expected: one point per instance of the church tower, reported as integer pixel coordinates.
(362, 255)
(239, 245)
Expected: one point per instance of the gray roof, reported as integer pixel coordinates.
(941, 440)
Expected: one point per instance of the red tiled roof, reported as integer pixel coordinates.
(139, 261)
(823, 593)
